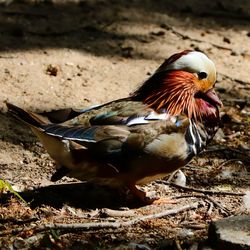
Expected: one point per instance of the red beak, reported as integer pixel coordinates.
(211, 97)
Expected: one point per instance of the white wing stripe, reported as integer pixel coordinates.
(137, 120)
(156, 116)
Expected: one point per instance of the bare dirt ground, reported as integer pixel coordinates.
(77, 53)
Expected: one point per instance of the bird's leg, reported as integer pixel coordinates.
(61, 171)
(142, 196)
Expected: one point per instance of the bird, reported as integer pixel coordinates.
(157, 129)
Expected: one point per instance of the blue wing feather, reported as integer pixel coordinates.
(71, 133)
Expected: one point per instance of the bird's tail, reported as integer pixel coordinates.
(61, 115)
(27, 117)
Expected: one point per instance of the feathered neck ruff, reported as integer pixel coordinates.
(174, 92)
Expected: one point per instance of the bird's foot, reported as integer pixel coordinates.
(146, 200)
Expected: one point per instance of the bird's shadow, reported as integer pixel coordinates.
(78, 195)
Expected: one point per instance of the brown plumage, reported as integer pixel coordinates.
(138, 139)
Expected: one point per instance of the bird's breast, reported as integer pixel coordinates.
(196, 138)
(168, 146)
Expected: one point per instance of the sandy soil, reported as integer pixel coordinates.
(73, 54)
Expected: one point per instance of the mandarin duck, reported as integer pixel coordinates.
(131, 141)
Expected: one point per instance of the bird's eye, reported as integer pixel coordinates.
(202, 75)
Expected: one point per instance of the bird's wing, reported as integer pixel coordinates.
(108, 143)
(122, 112)
(86, 137)
(64, 115)
(55, 137)
(107, 131)
(118, 112)
(116, 127)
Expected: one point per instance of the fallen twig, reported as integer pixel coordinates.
(229, 161)
(106, 212)
(194, 226)
(99, 225)
(201, 190)
(184, 37)
(225, 210)
(210, 208)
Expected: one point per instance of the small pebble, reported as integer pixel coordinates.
(52, 70)
(19, 243)
(226, 40)
(180, 178)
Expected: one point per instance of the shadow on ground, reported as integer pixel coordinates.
(87, 25)
(78, 195)
(14, 131)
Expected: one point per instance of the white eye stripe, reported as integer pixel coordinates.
(195, 62)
